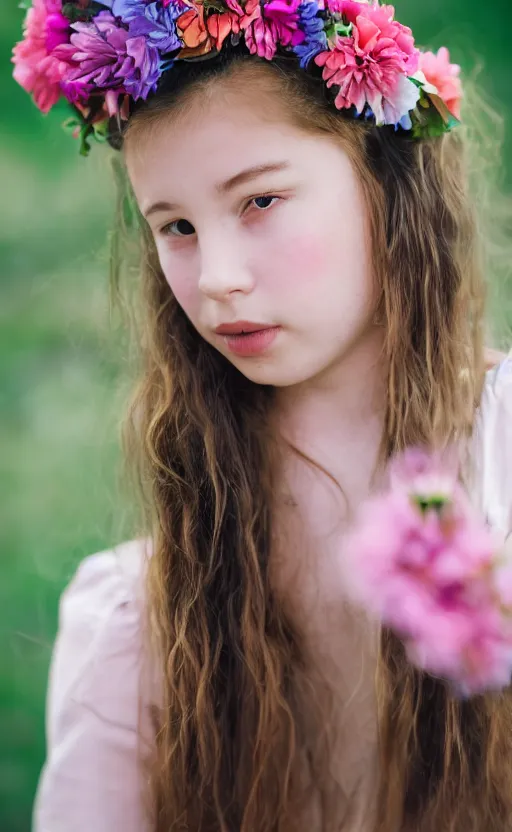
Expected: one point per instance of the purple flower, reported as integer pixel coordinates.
(108, 56)
(313, 27)
(150, 19)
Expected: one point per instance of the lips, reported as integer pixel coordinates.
(247, 338)
(241, 328)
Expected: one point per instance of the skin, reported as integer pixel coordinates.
(287, 248)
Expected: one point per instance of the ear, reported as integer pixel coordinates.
(492, 357)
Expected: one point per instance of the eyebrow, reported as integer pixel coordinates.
(229, 185)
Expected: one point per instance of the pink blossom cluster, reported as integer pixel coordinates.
(35, 67)
(375, 65)
(443, 75)
(421, 561)
(371, 66)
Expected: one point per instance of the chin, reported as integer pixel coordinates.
(275, 375)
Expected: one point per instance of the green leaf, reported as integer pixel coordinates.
(75, 13)
(85, 133)
(431, 121)
(337, 28)
(101, 131)
(415, 81)
(215, 6)
(71, 124)
(434, 501)
(342, 30)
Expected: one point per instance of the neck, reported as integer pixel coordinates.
(337, 417)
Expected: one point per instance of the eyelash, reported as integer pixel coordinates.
(166, 228)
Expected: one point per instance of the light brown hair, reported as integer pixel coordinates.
(227, 739)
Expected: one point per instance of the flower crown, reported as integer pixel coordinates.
(101, 56)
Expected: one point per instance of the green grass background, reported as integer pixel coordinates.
(63, 368)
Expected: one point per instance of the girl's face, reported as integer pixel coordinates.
(259, 226)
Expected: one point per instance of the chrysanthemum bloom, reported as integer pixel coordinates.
(371, 65)
(154, 20)
(438, 71)
(278, 24)
(36, 68)
(109, 56)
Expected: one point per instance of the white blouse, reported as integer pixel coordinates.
(96, 711)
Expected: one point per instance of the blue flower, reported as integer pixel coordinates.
(405, 122)
(313, 27)
(150, 20)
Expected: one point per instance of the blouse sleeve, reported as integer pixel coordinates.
(92, 778)
(494, 439)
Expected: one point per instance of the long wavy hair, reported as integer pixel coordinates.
(199, 437)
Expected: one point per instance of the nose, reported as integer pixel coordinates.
(223, 268)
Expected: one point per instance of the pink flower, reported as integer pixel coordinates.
(370, 66)
(36, 68)
(57, 29)
(420, 560)
(278, 25)
(382, 17)
(439, 72)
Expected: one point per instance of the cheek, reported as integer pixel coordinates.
(322, 275)
(179, 276)
(295, 262)
(186, 294)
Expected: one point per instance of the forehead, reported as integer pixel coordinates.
(212, 141)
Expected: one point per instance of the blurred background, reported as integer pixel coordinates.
(64, 373)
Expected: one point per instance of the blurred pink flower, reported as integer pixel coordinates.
(35, 68)
(438, 71)
(371, 65)
(420, 560)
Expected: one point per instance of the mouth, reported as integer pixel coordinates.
(242, 328)
(246, 338)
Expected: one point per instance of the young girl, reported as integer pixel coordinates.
(312, 296)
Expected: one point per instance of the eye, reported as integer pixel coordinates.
(179, 228)
(263, 203)
(184, 228)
